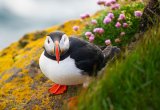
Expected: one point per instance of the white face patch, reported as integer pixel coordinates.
(49, 45)
(64, 43)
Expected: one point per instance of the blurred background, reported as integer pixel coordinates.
(18, 17)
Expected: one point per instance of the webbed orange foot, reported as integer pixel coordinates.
(57, 89)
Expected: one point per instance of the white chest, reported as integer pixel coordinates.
(65, 72)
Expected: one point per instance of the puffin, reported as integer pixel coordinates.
(69, 60)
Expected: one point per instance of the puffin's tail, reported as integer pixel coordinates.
(110, 52)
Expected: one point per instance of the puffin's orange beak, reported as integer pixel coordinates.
(57, 51)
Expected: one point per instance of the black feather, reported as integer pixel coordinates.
(88, 57)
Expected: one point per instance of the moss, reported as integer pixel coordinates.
(6, 62)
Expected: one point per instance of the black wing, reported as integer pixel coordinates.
(87, 56)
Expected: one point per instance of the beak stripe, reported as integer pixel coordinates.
(57, 49)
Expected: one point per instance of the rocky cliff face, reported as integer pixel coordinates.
(22, 85)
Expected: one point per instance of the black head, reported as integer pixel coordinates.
(56, 35)
(56, 44)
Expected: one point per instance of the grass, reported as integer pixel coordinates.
(130, 84)
(111, 32)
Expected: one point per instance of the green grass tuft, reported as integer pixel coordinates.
(130, 84)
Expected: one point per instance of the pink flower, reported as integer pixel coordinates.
(88, 34)
(107, 20)
(101, 2)
(84, 16)
(118, 25)
(101, 31)
(94, 22)
(108, 3)
(115, 6)
(125, 25)
(108, 42)
(122, 33)
(138, 13)
(75, 28)
(98, 30)
(91, 38)
(113, 1)
(110, 15)
(87, 15)
(122, 17)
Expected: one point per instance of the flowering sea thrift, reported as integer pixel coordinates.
(75, 28)
(110, 15)
(88, 34)
(115, 6)
(108, 42)
(94, 22)
(101, 2)
(113, 1)
(98, 30)
(122, 17)
(101, 31)
(84, 16)
(118, 25)
(107, 20)
(108, 3)
(125, 25)
(91, 38)
(87, 15)
(138, 13)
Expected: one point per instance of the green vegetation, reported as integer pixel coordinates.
(110, 31)
(130, 84)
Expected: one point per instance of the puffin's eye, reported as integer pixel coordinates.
(48, 41)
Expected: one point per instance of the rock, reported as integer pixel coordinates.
(15, 74)
(39, 34)
(151, 15)
(33, 69)
(111, 52)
